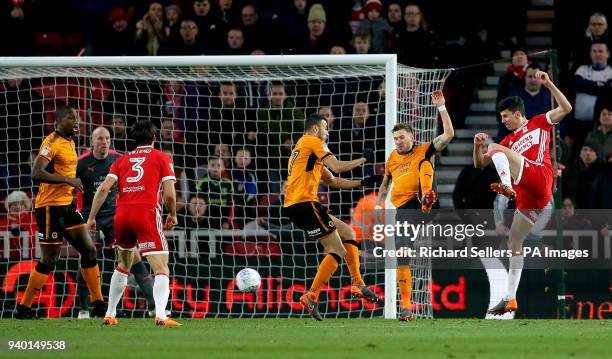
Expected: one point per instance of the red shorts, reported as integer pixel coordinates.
(140, 225)
(533, 188)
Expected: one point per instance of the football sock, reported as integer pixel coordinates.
(35, 284)
(145, 282)
(161, 292)
(426, 176)
(92, 278)
(514, 274)
(352, 262)
(82, 291)
(326, 269)
(404, 282)
(502, 166)
(117, 286)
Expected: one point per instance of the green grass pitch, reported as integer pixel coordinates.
(305, 338)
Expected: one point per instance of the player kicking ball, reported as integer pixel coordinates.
(139, 175)
(522, 160)
(409, 166)
(306, 168)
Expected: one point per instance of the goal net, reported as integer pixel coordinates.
(229, 124)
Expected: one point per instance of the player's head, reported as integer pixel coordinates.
(403, 136)
(143, 133)
(66, 120)
(316, 125)
(100, 141)
(512, 112)
(216, 166)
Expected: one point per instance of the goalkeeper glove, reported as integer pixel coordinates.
(368, 154)
(371, 181)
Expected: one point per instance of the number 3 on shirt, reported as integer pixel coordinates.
(295, 156)
(136, 167)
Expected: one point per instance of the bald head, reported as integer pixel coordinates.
(100, 141)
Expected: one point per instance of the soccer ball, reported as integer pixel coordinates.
(248, 280)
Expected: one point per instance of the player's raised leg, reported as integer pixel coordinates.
(349, 241)
(335, 252)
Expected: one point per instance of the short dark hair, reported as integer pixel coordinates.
(534, 66)
(599, 42)
(314, 119)
(143, 132)
(402, 126)
(513, 104)
(215, 158)
(62, 112)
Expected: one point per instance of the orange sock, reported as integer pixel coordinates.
(92, 278)
(352, 262)
(326, 269)
(35, 284)
(404, 282)
(426, 176)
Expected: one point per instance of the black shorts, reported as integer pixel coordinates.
(311, 217)
(105, 230)
(54, 221)
(411, 213)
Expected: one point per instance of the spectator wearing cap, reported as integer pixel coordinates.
(317, 41)
(601, 136)
(376, 26)
(579, 175)
(174, 14)
(357, 16)
(117, 38)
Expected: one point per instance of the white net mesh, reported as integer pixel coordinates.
(249, 116)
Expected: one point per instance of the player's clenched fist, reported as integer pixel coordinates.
(543, 76)
(480, 138)
(171, 221)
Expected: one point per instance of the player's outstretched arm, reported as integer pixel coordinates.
(563, 105)
(481, 160)
(446, 137)
(170, 203)
(343, 183)
(338, 166)
(98, 201)
(40, 174)
(383, 190)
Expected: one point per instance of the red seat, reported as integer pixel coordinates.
(48, 43)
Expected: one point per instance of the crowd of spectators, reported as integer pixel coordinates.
(230, 140)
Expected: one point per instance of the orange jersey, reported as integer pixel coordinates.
(305, 170)
(62, 156)
(404, 170)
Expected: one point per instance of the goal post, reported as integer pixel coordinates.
(187, 91)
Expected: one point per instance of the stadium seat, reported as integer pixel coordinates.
(48, 43)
